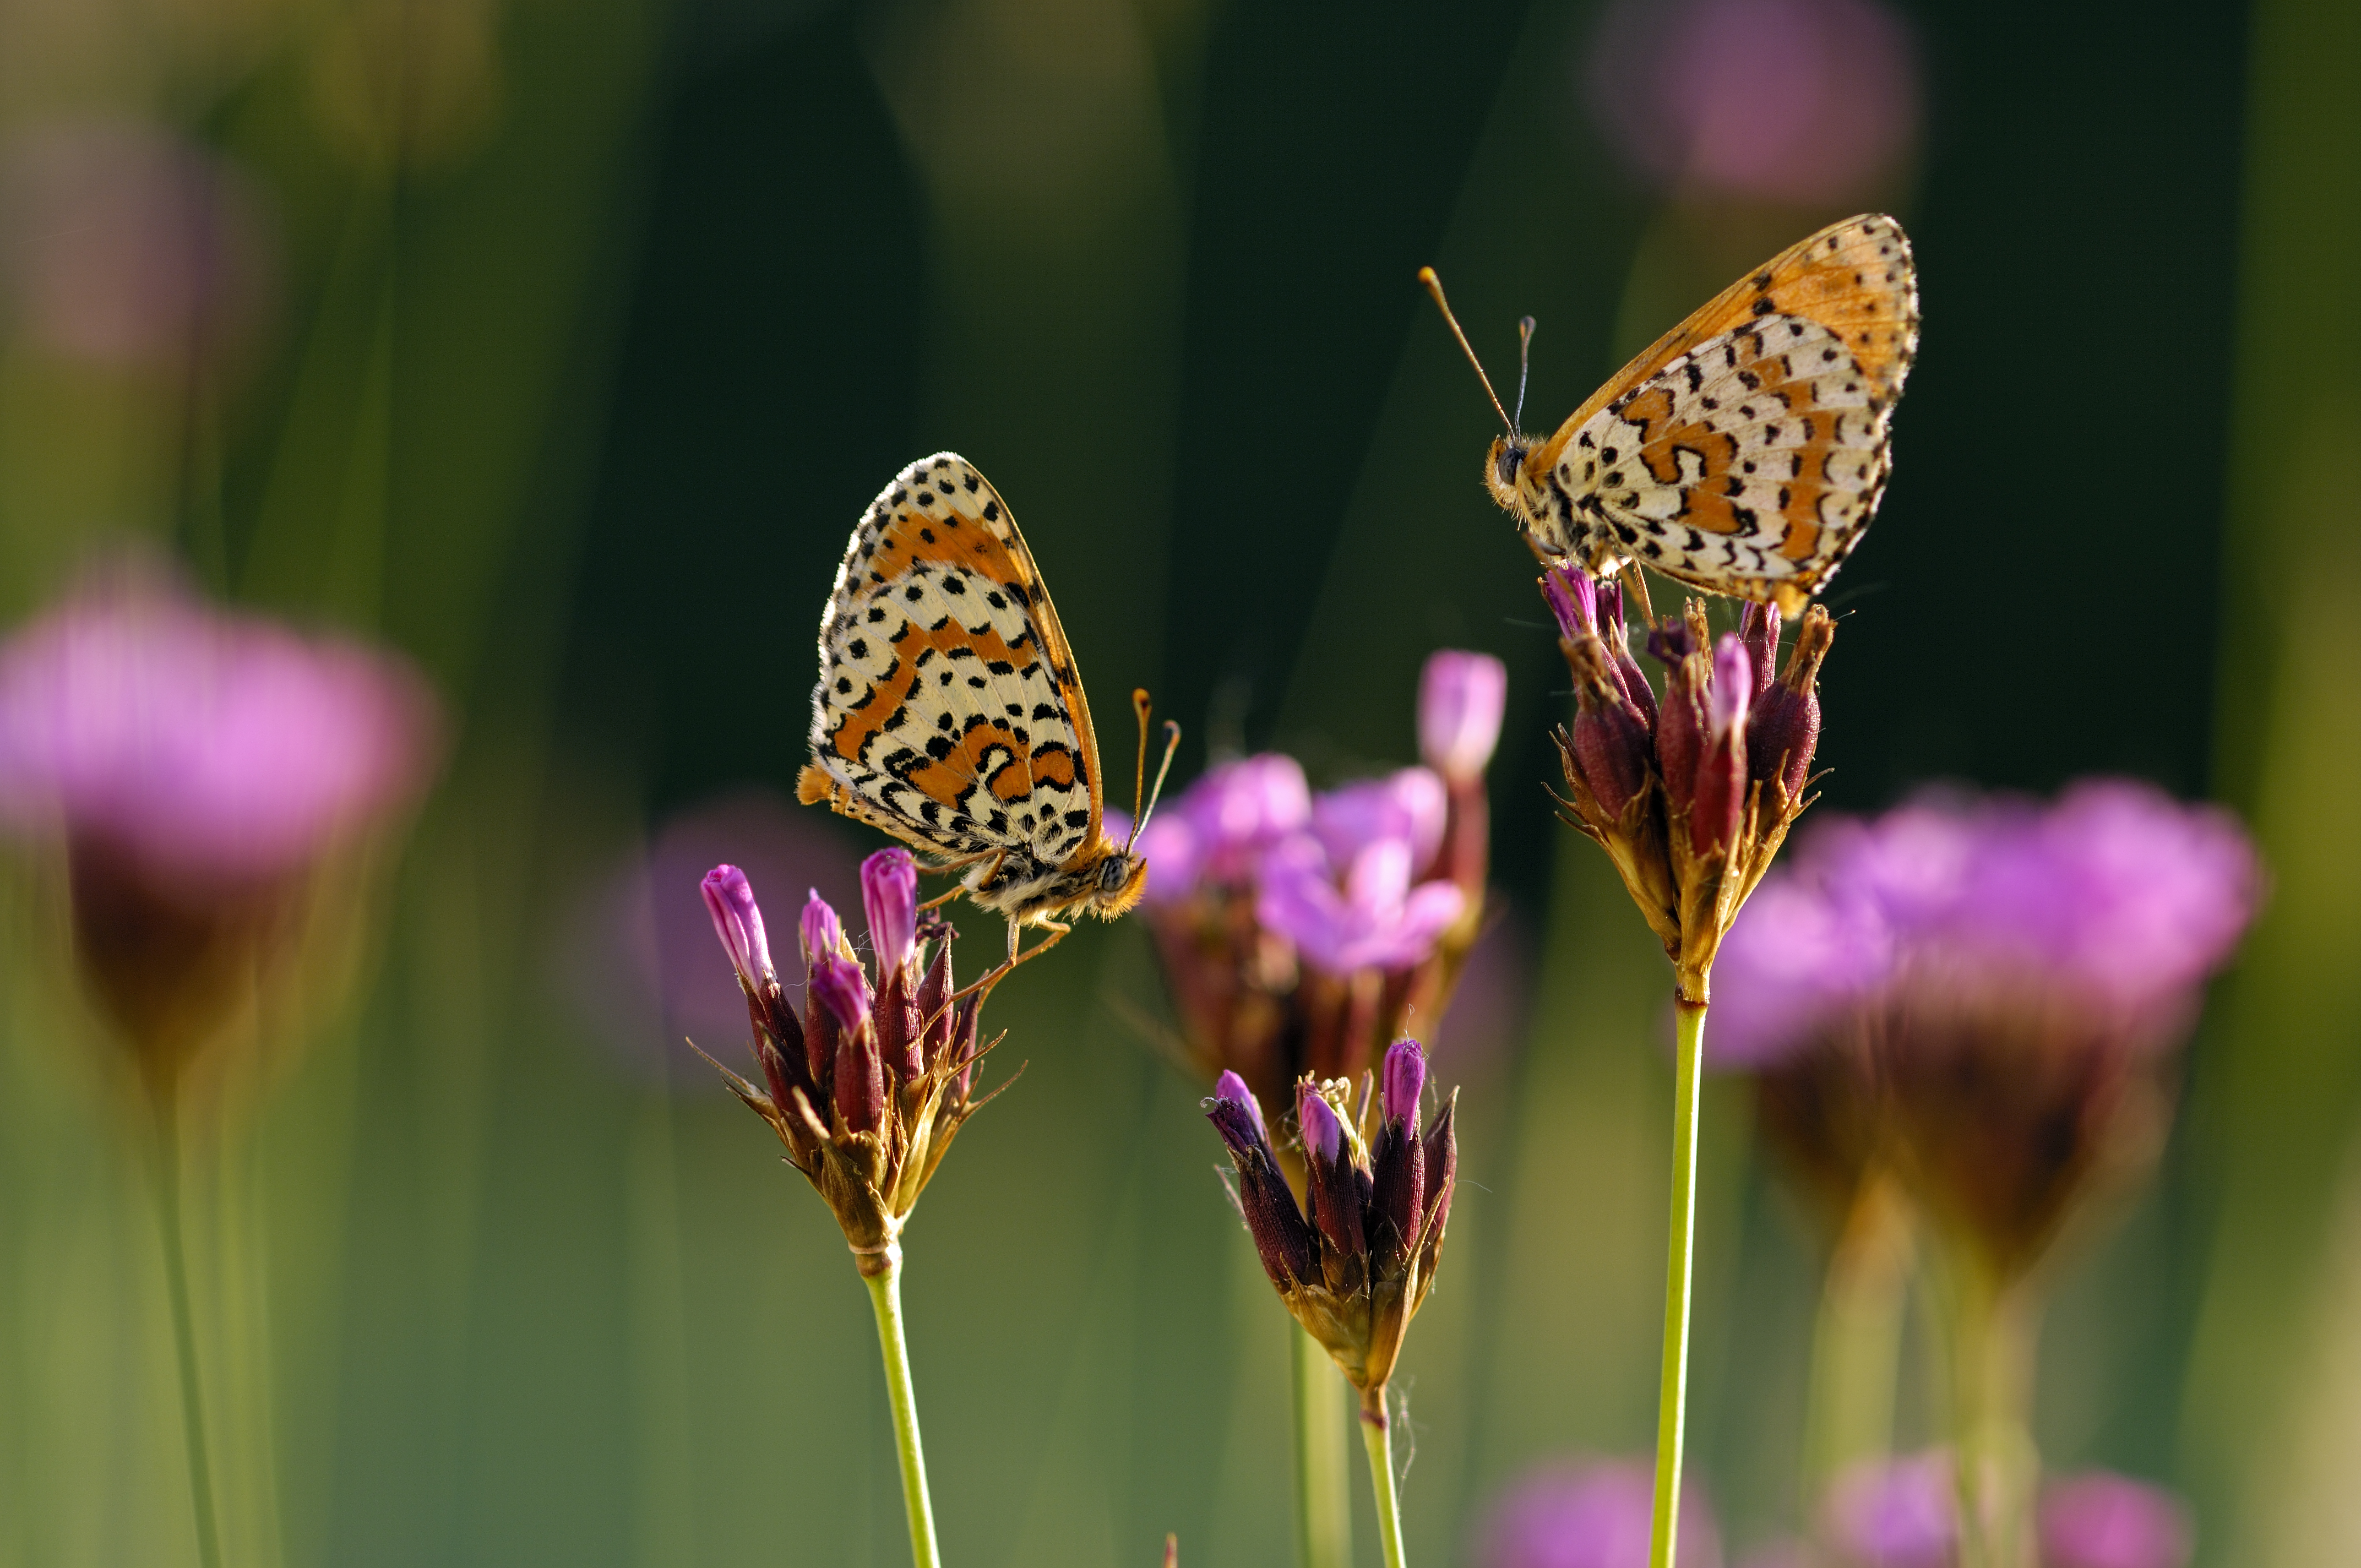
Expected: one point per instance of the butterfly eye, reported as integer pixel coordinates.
(1512, 457)
(1113, 871)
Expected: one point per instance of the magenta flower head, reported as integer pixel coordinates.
(1355, 1270)
(197, 766)
(739, 923)
(1898, 1513)
(1377, 920)
(889, 895)
(1411, 806)
(2015, 970)
(1460, 699)
(1590, 1513)
(2098, 1519)
(1239, 810)
(867, 1089)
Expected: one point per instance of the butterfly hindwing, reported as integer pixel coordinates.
(1745, 450)
(947, 710)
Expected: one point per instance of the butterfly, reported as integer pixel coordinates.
(948, 712)
(1743, 452)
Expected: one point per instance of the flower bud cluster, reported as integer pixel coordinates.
(1692, 795)
(1299, 933)
(867, 1084)
(1354, 1262)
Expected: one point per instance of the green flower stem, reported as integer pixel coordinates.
(165, 1102)
(1323, 1497)
(1672, 1388)
(885, 1291)
(1998, 1466)
(1376, 1435)
(1857, 1337)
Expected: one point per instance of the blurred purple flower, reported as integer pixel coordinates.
(130, 247)
(1410, 806)
(2098, 1519)
(1220, 826)
(1377, 920)
(1812, 103)
(1461, 697)
(2116, 895)
(205, 747)
(1896, 1513)
(1590, 1513)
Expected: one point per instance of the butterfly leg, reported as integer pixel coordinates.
(1057, 929)
(997, 856)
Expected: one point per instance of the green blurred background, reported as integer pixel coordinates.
(573, 336)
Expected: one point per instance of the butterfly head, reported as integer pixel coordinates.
(1116, 883)
(1504, 470)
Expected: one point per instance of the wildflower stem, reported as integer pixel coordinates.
(1376, 1435)
(1997, 1464)
(885, 1291)
(165, 1102)
(1324, 1517)
(1671, 1389)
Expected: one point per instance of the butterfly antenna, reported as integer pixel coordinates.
(1140, 815)
(1434, 287)
(1524, 364)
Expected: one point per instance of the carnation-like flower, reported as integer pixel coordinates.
(1590, 1513)
(867, 1086)
(1355, 1268)
(196, 766)
(1988, 983)
(1301, 934)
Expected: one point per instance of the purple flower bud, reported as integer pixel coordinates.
(1610, 735)
(1732, 691)
(739, 923)
(1680, 734)
(2103, 1520)
(1783, 731)
(1282, 1241)
(1330, 1182)
(844, 990)
(823, 934)
(1460, 699)
(1573, 599)
(1612, 632)
(1758, 625)
(1398, 1187)
(1405, 1080)
(889, 894)
(1230, 1085)
(933, 1006)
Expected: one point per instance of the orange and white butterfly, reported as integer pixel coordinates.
(1745, 451)
(949, 711)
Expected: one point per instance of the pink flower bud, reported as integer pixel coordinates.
(739, 923)
(844, 990)
(823, 934)
(1460, 699)
(1405, 1080)
(889, 895)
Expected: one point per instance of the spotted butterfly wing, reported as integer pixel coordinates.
(948, 712)
(1747, 449)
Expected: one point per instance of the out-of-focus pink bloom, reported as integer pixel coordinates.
(1812, 103)
(1899, 1513)
(205, 747)
(2099, 1519)
(1411, 806)
(128, 246)
(1591, 1513)
(2116, 896)
(1461, 697)
(1376, 921)
(1232, 815)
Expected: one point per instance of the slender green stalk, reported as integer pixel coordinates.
(886, 1290)
(1857, 1338)
(1672, 1388)
(1323, 1496)
(1991, 1444)
(1377, 1436)
(165, 1104)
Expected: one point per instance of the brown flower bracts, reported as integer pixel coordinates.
(1690, 798)
(1355, 1270)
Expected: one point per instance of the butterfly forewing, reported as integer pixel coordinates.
(947, 710)
(1746, 450)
